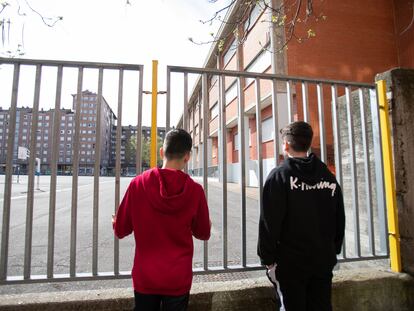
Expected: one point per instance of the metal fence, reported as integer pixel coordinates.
(348, 141)
(59, 66)
(355, 147)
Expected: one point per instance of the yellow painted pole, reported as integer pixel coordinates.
(391, 201)
(153, 149)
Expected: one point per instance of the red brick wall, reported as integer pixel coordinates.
(403, 14)
(355, 42)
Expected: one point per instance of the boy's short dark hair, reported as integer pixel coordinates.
(299, 135)
(177, 144)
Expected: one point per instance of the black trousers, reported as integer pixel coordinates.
(302, 290)
(145, 302)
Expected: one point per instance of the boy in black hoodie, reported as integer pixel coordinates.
(301, 226)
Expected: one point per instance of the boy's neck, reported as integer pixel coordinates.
(175, 165)
(293, 154)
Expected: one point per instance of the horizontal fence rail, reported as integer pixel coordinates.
(234, 119)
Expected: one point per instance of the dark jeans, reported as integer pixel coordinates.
(301, 290)
(145, 302)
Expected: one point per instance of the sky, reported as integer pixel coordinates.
(109, 31)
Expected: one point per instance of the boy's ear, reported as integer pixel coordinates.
(285, 146)
(187, 157)
(162, 153)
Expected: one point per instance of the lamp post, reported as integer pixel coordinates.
(154, 93)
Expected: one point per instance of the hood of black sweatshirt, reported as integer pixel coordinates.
(309, 169)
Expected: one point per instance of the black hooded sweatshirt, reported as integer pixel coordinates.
(302, 220)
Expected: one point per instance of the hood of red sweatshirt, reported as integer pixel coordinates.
(167, 189)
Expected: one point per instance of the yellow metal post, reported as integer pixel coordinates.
(153, 161)
(391, 202)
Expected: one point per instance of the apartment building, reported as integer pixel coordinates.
(43, 137)
(128, 147)
(87, 135)
(66, 140)
(357, 40)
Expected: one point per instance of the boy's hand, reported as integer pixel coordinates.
(271, 273)
(113, 219)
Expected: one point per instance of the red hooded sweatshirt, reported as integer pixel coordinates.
(164, 208)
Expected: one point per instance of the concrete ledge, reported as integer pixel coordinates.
(358, 290)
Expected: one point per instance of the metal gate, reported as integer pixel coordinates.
(66, 233)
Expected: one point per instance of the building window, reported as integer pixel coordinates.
(62, 132)
(268, 132)
(46, 117)
(44, 160)
(260, 64)
(253, 17)
(69, 138)
(40, 117)
(230, 52)
(67, 160)
(62, 138)
(236, 141)
(68, 145)
(68, 132)
(44, 151)
(214, 111)
(231, 93)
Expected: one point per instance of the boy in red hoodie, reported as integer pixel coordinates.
(164, 208)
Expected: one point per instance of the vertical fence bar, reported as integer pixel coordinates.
(97, 169)
(200, 126)
(205, 153)
(5, 229)
(75, 173)
(118, 157)
(185, 101)
(367, 168)
(321, 122)
(185, 104)
(354, 180)
(259, 142)
(138, 158)
(223, 166)
(379, 172)
(30, 184)
(168, 106)
(337, 146)
(289, 100)
(275, 112)
(305, 99)
(242, 159)
(53, 177)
